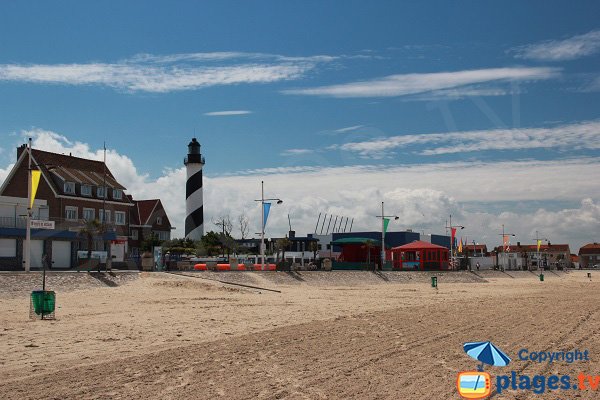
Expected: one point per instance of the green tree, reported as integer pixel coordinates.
(314, 247)
(282, 245)
(211, 242)
(150, 242)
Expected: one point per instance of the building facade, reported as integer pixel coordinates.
(77, 196)
(589, 256)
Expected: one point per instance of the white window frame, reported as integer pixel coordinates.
(93, 212)
(101, 192)
(87, 192)
(117, 194)
(119, 218)
(69, 187)
(72, 209)
(162, 235)
(101, 215)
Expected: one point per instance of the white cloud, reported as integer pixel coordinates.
(422, 195)
(171, 72)
(348, 129)
(560, 50)
(578, 136)
(227, 113)
(5, 171)
(592, 86)
(409, 84)
(229, 55)
(148, 78)
(461, 93)
(295, 152)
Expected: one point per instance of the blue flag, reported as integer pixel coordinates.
(266, 208)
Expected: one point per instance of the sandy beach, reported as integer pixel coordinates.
(313, 335)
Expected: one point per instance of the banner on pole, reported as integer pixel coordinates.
(506, 242)
(266, 209)
(35, 181)
(386, 222)
(539, 244)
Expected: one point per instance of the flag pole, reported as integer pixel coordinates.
(27, 250)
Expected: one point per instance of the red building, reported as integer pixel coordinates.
(420, 255)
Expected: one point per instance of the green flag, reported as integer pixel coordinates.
(386, 222)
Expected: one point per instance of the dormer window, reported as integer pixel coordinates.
(86, 190)
(101, 192)
(69, 187)
(117, 194)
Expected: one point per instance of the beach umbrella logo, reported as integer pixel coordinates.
(477, 384)
(486, 353)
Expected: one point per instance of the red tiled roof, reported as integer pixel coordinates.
(144, 209)
(478, 247)
(532, 248)
(73, 169)
(590, 248)
(418, 245)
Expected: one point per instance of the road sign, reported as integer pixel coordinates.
(41, 224)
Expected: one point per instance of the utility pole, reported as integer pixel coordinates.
(504, 236)
(452, 229)
(27, 249)
(537, 244)
(262, 231)
(383, 217)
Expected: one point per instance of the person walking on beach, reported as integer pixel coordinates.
(477, 265)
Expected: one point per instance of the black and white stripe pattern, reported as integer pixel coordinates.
(194, 220)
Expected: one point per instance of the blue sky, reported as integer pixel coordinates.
(488, 111)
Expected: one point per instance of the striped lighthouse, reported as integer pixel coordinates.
(194, 213)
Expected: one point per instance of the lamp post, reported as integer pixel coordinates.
(505, 234)
(537, 240)
(451, 227)
(262, 231)
(27, 250)
(383, 217)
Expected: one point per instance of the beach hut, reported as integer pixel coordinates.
(420, 255)
(357, 253)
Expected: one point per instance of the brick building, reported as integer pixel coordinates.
(589, 255)
(76, 191)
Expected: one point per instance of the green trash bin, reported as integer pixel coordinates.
(43, 301)
(541, 277)
(434, 281)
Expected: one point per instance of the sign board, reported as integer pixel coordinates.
(41, 224)
(99, 255)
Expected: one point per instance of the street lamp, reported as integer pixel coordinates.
(262, 231)
(504, 235)
(383, 217)
(537, 243)
(452, 227)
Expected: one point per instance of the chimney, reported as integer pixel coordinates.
(292, 234)
(21, 149)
